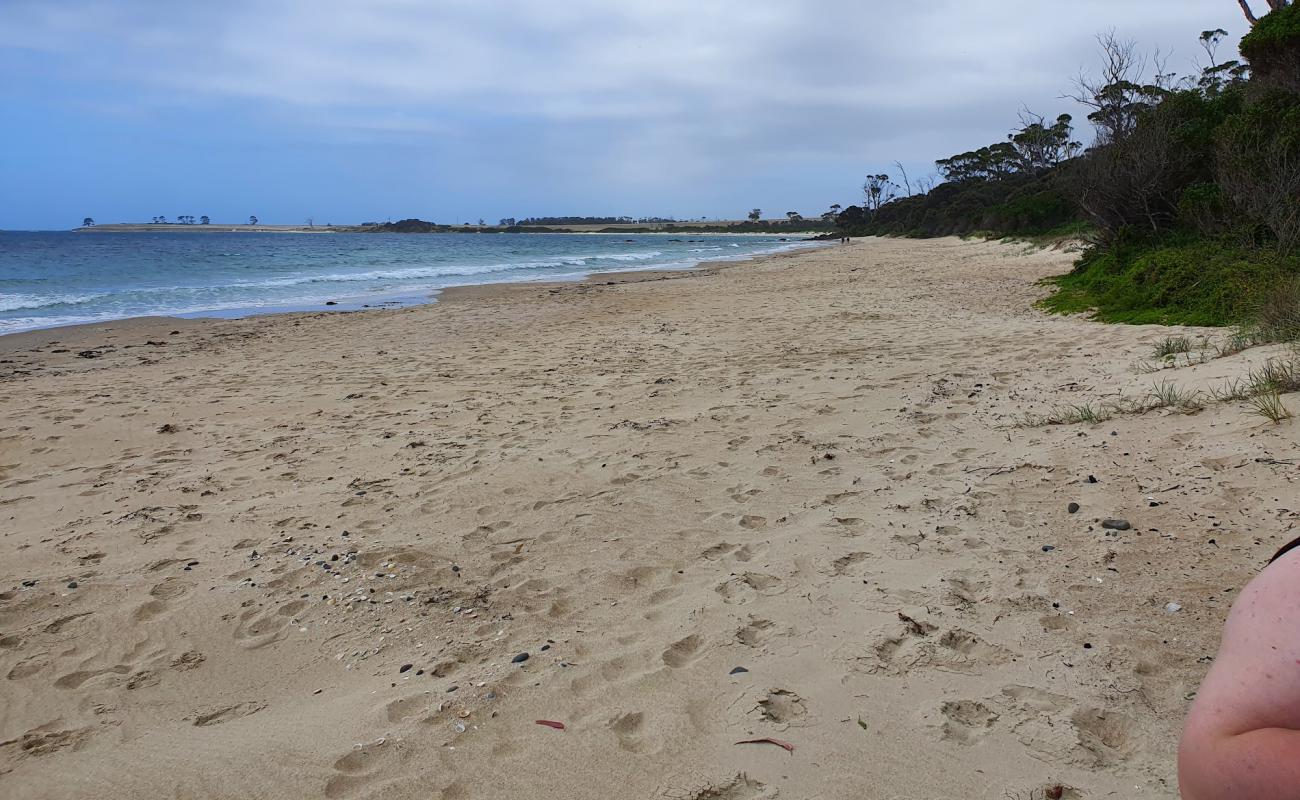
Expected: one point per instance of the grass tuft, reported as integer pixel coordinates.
(1085, 413)
(1172, 346)
(1166, 394)
(1269, 406)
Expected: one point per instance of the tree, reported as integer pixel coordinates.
(851, 218)
(87, 223)
(1118, 97)
(1040, 148)
(1210, 41)
(877, 190)
(794, 216)
(756, 215)
(311, 222)
(1273, 5)
(203, 220)
(161, 220)
(252, 220)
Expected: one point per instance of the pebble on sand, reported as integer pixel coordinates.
(1116, 524)
(519, 659)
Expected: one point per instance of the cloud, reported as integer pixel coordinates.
(654, 93)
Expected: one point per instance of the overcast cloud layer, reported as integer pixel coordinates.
(454, 110)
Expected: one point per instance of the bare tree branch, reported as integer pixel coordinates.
(1250, 15)
(906, 181)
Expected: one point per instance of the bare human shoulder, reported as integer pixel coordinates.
(1242, 737)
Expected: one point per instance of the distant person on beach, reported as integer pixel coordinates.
(1242, 736)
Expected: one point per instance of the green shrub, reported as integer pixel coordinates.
(1189, 282)
(1258, 165)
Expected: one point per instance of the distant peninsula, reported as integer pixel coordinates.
(796, 226)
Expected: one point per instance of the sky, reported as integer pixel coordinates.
(346, 111)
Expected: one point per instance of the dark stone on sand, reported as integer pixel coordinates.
(1092, 479)
(29, 583)
(519, 659)
(406, 668)
(1116, 525)
(1073, 508)
(72, 584)
(1047, 548)
(739, 671)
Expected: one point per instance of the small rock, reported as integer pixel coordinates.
(1047, 548)
(519, 659)
(72, 584)
(1173, 608)
(1073, 508)
(1092, 479)
(30, 583)
(739, 671)
(406, 668)
(1116, 524)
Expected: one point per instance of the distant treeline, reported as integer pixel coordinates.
(1189, 195)
(785, 226)
(548, 221)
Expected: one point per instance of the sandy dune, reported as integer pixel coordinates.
(307, 549)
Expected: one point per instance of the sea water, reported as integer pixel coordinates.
(50, 279)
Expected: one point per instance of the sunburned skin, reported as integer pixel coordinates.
(1242, 736)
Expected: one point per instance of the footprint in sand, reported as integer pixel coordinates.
(260, 627)
(742, 588)
(843, 564)
(1105, 738)
(782, 707)
(916, 647)
(364, 771)
(755, 632)
(217, 716)
(740, 787)
(630, 728)
(965, 721)
(683, 652)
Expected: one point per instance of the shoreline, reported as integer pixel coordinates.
(384, 302)
(362, 554)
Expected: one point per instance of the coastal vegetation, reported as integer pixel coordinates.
(1188, 197)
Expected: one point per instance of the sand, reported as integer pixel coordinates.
(814, 468)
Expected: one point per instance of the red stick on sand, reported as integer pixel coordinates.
(769, 740)
(559, 726)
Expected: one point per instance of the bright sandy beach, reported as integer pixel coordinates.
(800, 499)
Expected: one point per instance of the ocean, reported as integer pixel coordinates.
(51, 279)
